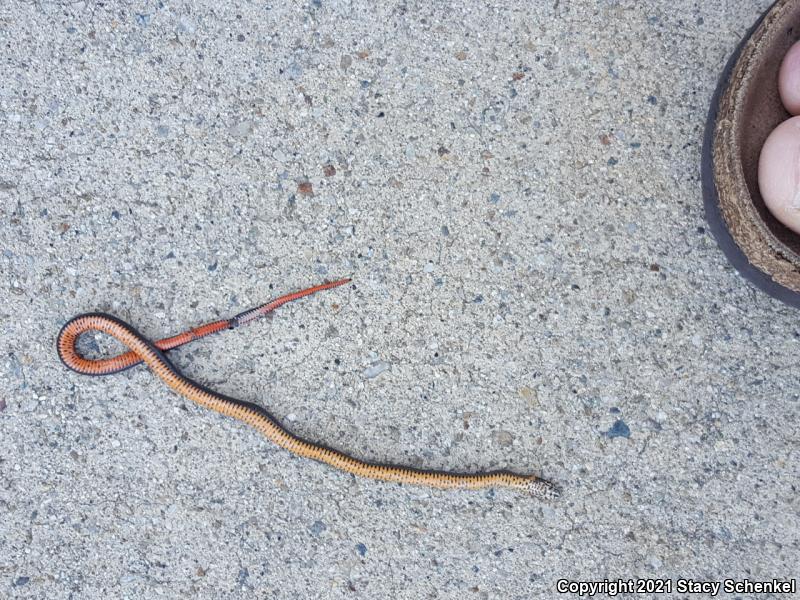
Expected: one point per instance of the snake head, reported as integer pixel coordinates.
(541, 488)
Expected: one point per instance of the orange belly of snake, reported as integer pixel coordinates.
(142, 350)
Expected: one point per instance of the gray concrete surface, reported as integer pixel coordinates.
(514, 189)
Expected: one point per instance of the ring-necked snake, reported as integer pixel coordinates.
(140, 349)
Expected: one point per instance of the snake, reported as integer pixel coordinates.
(153, 354)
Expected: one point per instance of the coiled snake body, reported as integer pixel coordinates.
(140, 349)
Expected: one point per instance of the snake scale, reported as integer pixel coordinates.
(142, 350)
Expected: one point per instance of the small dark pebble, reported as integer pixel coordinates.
(701, 230)
(170, 254)
(614, 410)
(21, 581)
(612, 161)
(2, 405)
(494, 198)
(91, 345)
(442, 151)
(445, 230)
(115, 214)
(619, 429)
(213, 267)
(318, 527)
(362, 549)
(243, 575)
(655, 268)
(477, 299)
(71, 30)
(240, 37)
(652, 100)
(381, 114)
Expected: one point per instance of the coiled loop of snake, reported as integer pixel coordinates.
(140, 349)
